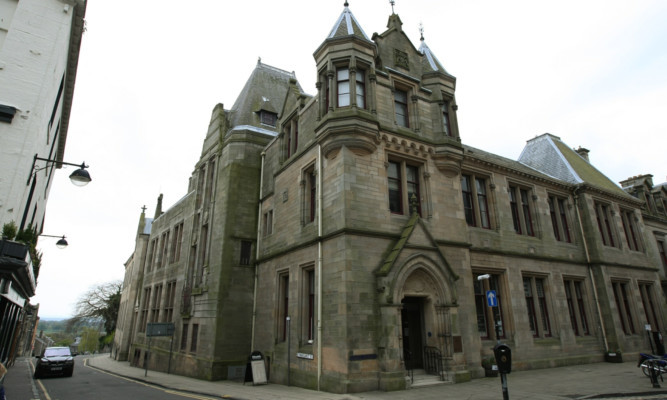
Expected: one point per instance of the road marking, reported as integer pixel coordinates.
(170, 391)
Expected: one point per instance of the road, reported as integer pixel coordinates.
(88, 382)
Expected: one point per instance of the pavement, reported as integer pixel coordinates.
(586, 381)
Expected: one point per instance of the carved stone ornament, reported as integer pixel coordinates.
(401, 59)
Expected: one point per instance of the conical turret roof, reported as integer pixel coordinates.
(347, 25)
(430, 62)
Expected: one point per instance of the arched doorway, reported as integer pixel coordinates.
(412, 327)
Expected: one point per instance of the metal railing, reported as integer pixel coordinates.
(433, 361)
(407, 357)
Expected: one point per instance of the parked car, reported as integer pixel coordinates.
(55, 361)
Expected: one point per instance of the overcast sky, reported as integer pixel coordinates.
(592, 72)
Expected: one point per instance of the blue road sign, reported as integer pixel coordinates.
(491, 298)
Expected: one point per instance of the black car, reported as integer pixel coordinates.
(55, 361)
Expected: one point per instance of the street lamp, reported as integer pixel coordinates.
(79, 177)
(61, 244)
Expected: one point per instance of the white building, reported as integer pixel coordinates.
(39, 53)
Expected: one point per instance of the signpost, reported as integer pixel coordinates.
(159, 329)
(491, 298)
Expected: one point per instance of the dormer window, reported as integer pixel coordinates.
(268, 118)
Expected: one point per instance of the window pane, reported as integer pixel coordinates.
(394, 183)
(343, 94)
(412, 175)
(468, 206)
(401, 107)
(343, 74)
(361, 103)
(481, 202)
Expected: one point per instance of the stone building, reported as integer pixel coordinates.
(353, 238)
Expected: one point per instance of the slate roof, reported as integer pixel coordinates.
(347, 25)
(430, 62)
(549, 155)
(503, 162)
(265, 89)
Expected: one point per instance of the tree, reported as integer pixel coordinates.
(99, 303)
(90, 340)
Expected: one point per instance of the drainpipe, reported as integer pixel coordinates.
(259, 236)
(590, 268)
(319, 265)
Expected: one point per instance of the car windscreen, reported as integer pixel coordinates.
(56, 352)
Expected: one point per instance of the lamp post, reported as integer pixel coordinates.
(61, 244)
(79, 177)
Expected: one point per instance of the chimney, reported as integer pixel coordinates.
(583, 153)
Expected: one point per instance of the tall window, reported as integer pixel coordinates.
(536, 306)
(488, 317)
(184, 337)
(403, 183)
(144, 309)
(157, 297)
(169, 302)
(646, 291)
(201, 260)
(283, 305)
(661, 250)
(446, 126)
(603, 215)
(309, 187)
(246, 253)
(268, 222)
(360, 88)
(152, 250)
(558, 213)
(176, 242)
(291, 137)
(475, 204)
(576, 306)
(309, 304)
(401, 107)
(630, 230)
(343, 81)
(521, 211)
(623, 307)
(164, 248)
(194, 338)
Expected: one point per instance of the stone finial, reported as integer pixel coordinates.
(583, 153)
(413, 204)
(158, 207)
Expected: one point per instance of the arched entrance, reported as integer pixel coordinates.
(412, 328)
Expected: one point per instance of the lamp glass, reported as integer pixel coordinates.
(62, 243)
(80, 177)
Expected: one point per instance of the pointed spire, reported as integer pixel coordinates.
(430, 60)
(142, 220)
(347, 25)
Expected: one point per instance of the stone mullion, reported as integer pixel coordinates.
(415, 112)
